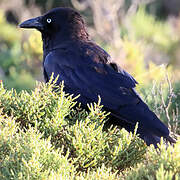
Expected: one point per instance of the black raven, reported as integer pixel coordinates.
(88, 70)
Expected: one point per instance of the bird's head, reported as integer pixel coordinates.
(60, 23)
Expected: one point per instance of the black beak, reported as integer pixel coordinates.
(32, 23)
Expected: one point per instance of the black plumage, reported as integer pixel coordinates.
(88, 70)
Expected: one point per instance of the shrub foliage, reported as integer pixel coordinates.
(46, 134)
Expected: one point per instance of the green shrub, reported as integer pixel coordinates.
(26, 155)
(45, 134)
(46, 123)
(13, 64)
(162, 163)
(163, 99)
(94, 147)
(42, 107)
(159, 33)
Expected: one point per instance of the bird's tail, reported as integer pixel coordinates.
(150, 128)
(152, 139)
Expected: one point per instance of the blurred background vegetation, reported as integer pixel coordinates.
(143, 36)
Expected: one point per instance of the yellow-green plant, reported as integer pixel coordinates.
(134, 63)
(45, 134)
(153, 31)
(34, 45)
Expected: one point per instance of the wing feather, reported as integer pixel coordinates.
(92, 79)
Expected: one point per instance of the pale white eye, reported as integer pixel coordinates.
(49, 20)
